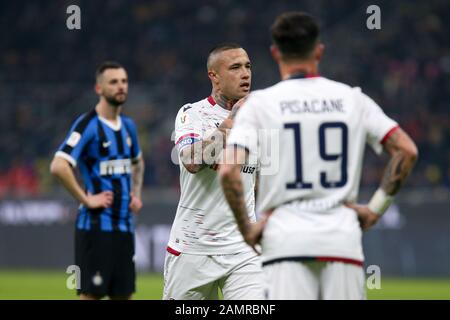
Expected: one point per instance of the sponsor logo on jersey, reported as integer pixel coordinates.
(111, 167)
(74, 139)
(106, 144)
(248, 169)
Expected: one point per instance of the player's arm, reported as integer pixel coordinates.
(233, 188)
(62, 169)
(137, 175)
(196, 157)
(256, 185)
(204, 153)
(403, 155)
(241, 143)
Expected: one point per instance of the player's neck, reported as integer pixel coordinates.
(287, 70)
(222, 100)
(107, 111)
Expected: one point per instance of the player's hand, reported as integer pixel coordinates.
(135, 204)
(366, 217)
(236, 108)
(100, 200)
(254, 232)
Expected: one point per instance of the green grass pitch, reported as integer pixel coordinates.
(52, 285)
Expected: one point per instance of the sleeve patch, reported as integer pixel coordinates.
(74, 138)
(187, 140)
(189, 135)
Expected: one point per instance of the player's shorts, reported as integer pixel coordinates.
(106, 261)
(198, 277)
(314, 280)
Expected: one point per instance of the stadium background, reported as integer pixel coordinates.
(46, 80)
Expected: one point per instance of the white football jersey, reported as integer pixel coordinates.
(204, 223)
(310, 135)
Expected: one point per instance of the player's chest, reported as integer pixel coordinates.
(212, 120)
(110, 143)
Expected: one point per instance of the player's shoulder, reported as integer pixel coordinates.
(339, 85)
(322, 82)
(194, 107)
(128, 121)
(85, 120)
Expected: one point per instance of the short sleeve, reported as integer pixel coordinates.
(79, 136)
(377, 124)
(188, 127)
(132, 131)
(245, 127)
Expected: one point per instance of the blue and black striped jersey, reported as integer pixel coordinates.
(104, 153)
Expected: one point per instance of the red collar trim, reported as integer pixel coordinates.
(211, 101)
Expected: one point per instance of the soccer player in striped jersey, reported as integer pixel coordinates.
(206, 251)
(311, 242)
(103, 143)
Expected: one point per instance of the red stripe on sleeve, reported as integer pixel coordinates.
(387, 135)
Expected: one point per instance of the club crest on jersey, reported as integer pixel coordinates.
(129, 142)
(185, 118)
(74, 139)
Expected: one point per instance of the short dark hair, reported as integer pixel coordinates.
(295, 34)
(220, 48)
(105, 66)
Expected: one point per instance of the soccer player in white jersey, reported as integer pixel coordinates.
(206, 250)
(311, 236)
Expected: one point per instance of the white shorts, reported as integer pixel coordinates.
(198, 277)
(314, 280)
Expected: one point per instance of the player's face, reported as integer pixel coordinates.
(113, 86)
(234, 73)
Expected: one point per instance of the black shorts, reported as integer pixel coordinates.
(106, 261)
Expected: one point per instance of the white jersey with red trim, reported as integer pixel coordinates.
(204, 223)
(311, 160)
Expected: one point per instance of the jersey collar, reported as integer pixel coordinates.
(211, 101)
(113, 126)
(301, 75)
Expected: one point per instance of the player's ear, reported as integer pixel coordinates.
(275, 52)
(98, 89)
(318, 51)
(212, 75)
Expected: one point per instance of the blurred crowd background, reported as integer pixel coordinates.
(47, 73)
